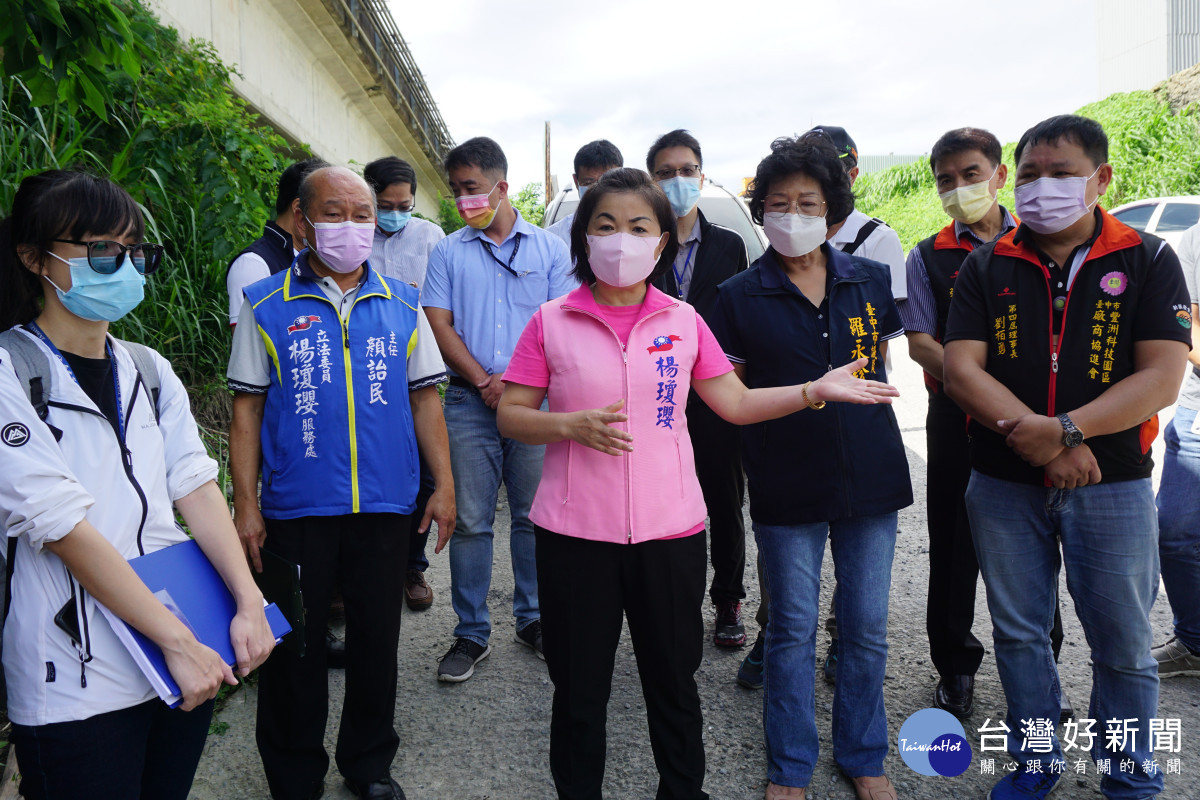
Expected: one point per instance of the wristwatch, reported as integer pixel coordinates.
(1072, 436)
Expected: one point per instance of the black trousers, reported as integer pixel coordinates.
(147, 751)
(585, 588)
(363, 556)
(953, 570)
(718, 450)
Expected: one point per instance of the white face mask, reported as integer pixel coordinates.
(969, 204)
(794, 234)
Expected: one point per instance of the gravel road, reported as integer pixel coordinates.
(489, 737)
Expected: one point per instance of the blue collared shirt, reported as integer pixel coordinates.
(491, 292)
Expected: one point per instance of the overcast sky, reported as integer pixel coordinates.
(739, 73)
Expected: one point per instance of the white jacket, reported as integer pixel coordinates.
(46, 488)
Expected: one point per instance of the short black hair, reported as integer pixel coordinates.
(963, 140)
(1087, 133)
(56, 204)
(383, 172)
(290, 180)
(811, 154)
(615, 181)
(480, 152)
(598, 154)
(676, 138)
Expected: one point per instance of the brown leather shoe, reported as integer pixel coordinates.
(417, 593)
(876, 787)
(775, 792)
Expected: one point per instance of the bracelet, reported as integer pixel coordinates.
(808, 402)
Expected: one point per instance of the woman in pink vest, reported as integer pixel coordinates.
(619, 513)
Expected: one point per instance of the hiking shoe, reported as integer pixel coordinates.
(730, 630)
(459, 662)
(1174, 658)
(750, 673)
(418, 594)
(830, 667)
(531, 637)
(1022, 785)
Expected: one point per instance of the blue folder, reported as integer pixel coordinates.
(183, 578)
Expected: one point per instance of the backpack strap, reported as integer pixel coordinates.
(147, 370)
(863, 233)
(32, 368)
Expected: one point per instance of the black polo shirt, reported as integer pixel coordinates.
(1126, 287)
(843, 460)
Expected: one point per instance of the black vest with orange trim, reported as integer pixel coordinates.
(942, 256)
(1126, 290)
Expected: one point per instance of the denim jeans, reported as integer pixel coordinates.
(1179, 525)
(791, 558)
(1109, 539)
(480, 458)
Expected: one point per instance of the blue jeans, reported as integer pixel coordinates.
(791, 558)
(1109, 539)
(480, 458)
(1179, 525)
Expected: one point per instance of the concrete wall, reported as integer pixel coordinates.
(299, 70)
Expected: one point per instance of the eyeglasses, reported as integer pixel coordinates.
(105, 256)
(808, 206)
(687, 171)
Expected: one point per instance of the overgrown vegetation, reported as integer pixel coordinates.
(1153, 151)
(172, 132)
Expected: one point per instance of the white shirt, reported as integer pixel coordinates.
(883, 245)
(404, 255)
(562, 228)
(246, 269)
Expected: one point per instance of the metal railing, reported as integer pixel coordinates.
(369, 24)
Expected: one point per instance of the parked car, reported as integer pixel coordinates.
(1165, 217)
(719, 205)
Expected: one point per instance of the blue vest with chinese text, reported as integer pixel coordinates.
(337, 431)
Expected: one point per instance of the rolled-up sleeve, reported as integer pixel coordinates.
(40, 498)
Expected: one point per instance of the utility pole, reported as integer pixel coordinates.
(548, 189)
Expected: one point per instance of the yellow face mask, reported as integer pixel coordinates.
(969, 204)
(476, 209)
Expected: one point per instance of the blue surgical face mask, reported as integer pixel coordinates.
(392, 221)
(100, 298)
(683, 193)
(582, 189)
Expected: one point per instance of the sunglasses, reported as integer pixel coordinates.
(106, 257)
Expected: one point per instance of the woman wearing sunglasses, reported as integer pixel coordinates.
(94, 483)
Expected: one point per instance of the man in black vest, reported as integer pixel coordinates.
(708, 254)
(274, 250)
(968, 172)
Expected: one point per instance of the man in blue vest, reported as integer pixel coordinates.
(335, 371)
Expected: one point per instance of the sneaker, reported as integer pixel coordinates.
(830, 667)
(418, 594)
(1174, 658)
(1022, 785)
(750, 673)
(459, 662)
(531, 637)
(730, 630)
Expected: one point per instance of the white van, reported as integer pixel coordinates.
(720, 206)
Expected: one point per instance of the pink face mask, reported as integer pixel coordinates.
(1049, 205)
(343, 246)
(622, 259)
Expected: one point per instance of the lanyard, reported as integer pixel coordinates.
(33, 328)
(508, 266)
(679, 275)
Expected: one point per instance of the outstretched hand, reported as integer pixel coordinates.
(593, 428)
(841, 385)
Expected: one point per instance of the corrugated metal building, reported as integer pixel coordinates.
(1142, 42)
(869, 164)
